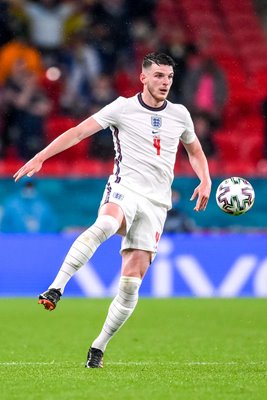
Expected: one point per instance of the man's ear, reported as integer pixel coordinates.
(143, 78)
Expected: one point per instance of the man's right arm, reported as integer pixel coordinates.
(66, 140)
(199, 164)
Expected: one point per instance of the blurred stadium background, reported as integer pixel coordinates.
(62, 60)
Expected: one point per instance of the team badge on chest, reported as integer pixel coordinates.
(156, 121)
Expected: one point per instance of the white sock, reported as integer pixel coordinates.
(119, 311)
(84, 247)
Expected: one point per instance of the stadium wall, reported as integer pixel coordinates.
(76, 201)
(200, 265)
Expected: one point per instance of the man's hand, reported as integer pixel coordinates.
(31, 167)
(202, 193)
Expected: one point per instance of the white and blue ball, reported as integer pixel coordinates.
(235, 196)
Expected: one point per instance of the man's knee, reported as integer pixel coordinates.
(128, 290)
(129, 284)
(104, 227)
(135, 262)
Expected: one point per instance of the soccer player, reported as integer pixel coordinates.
(146, 131)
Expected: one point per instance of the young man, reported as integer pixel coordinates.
(146, 131)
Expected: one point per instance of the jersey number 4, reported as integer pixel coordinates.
(156, 144)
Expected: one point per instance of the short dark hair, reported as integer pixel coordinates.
(157, 58)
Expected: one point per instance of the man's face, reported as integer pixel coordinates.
(157, 80)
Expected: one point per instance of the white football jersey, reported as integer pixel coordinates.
(145, 142)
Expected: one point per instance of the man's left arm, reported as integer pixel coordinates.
(199, 164)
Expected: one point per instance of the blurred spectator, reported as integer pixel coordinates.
(53, 83)
(79, 19)
(177, 221)
(142, 9)
(101, 145)
(82, 66)
(19, 48)
(110, 30)
(5, 23)
(27, 211)
(145, 38)
(46, 20)
(175, 44)
(103, 91)
(25, 107)
(204, 129)
(126, 79)
(205, 89)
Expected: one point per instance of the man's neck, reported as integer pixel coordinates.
(151, 101)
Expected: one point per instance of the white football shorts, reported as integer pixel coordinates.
(144, 218)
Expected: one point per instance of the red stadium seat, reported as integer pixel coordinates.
(238, 168)
(59, 124)
(239, 146)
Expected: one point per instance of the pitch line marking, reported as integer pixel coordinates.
(190, 363)
(140, 363)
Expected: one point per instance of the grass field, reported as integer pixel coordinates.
(186, 349)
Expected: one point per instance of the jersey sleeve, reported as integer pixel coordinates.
(188, 136)
(110, 114)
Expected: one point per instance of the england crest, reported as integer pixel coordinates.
(156, 121)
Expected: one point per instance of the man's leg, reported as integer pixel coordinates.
(107, 224)
(83, 249)
(134, 266)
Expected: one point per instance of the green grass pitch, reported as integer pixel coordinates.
(186, 349)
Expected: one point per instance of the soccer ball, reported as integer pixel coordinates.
(235, 196)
